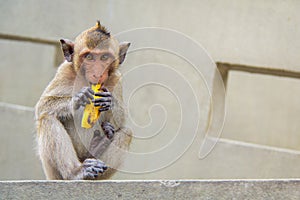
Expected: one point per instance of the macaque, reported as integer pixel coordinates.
(68, 151)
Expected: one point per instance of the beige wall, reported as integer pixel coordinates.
(261, 109)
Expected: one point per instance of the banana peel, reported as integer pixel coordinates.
(91, 112)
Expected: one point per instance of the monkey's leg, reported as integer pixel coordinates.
(58, 155)
(99, 144)
(113, 156)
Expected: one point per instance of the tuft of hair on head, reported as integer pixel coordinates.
(101, 28)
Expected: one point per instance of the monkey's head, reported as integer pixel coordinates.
(96, 55)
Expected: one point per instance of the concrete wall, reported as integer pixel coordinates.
(18, 158)
(261, 109)
(265, 109)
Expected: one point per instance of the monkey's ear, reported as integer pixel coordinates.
(67, 47)
(123, 50)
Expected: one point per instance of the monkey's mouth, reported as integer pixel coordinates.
(96, 82)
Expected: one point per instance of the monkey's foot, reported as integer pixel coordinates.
(92, 167)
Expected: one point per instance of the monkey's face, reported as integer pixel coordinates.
(97, 64)
(97, 52)
(96, 55)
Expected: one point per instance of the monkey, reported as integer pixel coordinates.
(66, 150)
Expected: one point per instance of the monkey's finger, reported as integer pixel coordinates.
(82, 99)
(85, 100)
(89, 93)
(104, 109)
(90, 175)
(99, 170)
(101, 167)
(103, 99)
(110, 134)
(87, 90)
(95, 175)
(105, 104)
(112, 129)
(90, 163)
(107, 126)
(108, 129)
(91, 90)
(92, 172)
(103, 94)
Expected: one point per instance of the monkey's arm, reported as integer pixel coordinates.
(56, 149)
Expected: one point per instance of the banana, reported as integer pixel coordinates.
(91, 113)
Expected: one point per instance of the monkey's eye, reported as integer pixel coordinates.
(105, 57)
(89, 56)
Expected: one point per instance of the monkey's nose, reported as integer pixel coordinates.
(97, 76)
(98, 79)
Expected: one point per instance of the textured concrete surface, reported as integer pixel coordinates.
(189, 189)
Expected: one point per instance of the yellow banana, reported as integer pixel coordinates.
(91, 113)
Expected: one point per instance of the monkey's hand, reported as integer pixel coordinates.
(105, 101)
(83, 97)
(108, 129)
(100, 142)
(92, 167)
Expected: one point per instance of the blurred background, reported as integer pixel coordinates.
(255, 45)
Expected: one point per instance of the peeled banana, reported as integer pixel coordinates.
(91, 113)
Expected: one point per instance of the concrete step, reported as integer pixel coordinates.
(229, 159)
(157, 189)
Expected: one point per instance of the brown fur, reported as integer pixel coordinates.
(62, 146)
